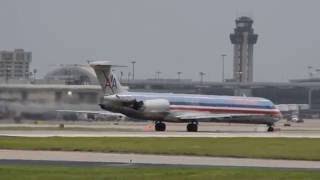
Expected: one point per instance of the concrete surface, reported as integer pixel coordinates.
(80, 157)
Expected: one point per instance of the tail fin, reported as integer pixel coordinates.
(108, 82)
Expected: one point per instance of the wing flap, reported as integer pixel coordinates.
(91, 112)
(207, 116)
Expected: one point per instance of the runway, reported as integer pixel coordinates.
(308, 129)
(139, 159)
(62, 133)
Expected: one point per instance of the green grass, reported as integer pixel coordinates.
(275, 148)
(33, 172)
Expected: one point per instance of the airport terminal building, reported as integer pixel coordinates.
(84, 95)
(77, 85)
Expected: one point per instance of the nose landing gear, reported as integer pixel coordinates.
(270, 128)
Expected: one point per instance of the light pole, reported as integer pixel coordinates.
(35, 73)
(223, 55)
(129, 74)
(121, 75)
(310, 71)
(158, 74)
(201, 76)
(133, 62)
(179, 74)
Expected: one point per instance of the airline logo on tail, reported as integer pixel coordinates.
(111, 81)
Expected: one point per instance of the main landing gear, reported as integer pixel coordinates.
(160, 126)
(193, 126)
(270, 128)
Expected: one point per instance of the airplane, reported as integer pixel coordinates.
(182, 108)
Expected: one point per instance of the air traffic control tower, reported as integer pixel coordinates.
(243, 40)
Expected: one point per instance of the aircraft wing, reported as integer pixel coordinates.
(91, 112)
(209, 116)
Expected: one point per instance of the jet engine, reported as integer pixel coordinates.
(155, 109)
(154, 105)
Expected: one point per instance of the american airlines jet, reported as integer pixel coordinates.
(182, 108)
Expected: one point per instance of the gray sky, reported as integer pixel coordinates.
(165, 35)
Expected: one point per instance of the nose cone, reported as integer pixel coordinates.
(278, 114)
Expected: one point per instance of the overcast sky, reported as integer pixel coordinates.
(164, 35)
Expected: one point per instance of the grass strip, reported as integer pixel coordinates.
(48, 172)
(269, 148)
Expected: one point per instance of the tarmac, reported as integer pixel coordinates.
(148, 160)
(308, 129)
(67, 133)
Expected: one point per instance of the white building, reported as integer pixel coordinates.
(15, 64)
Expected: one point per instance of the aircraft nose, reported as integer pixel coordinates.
(278, 114)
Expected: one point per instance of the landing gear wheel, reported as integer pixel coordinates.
(160, 126)
(270, 129)
(192, 127)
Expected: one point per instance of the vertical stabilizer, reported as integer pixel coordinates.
(107, 80)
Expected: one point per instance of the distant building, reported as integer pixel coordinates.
(74, 74)
(307, 80)
(15, 64)
(243, 40)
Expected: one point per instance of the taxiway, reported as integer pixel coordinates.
(115, 158)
